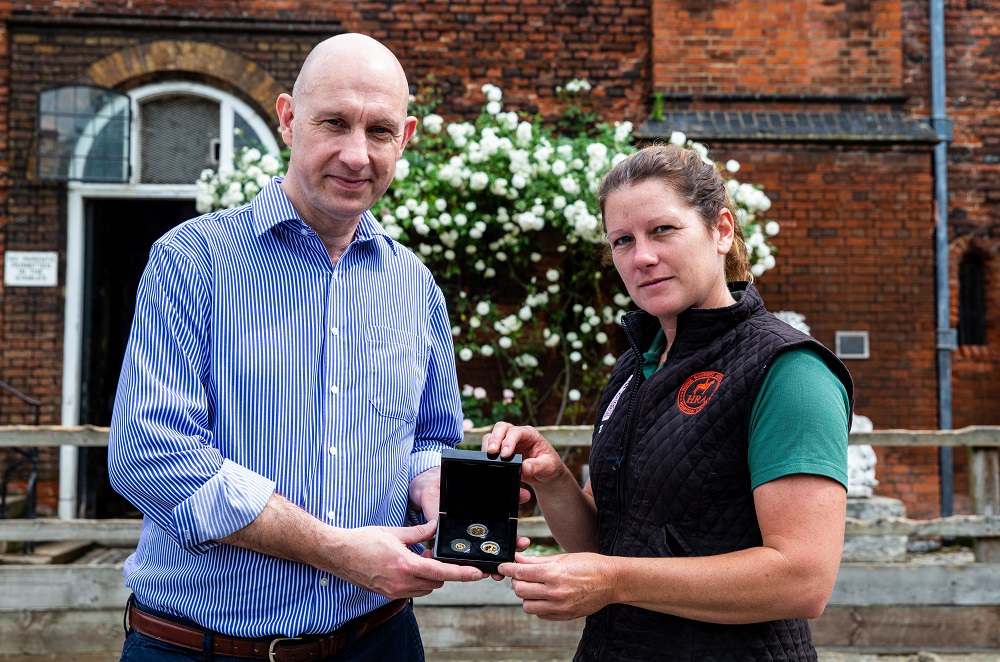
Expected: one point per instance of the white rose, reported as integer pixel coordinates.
(465, 354)
(433, 123)
(402, 169)
(677, 138)
(492, 92)
(478, 181)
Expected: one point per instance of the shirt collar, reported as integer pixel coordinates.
(271, 207)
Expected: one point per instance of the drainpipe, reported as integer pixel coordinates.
(947, 341)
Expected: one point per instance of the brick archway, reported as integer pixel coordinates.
(188, 56)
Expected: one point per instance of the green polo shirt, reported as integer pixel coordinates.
(799, 421)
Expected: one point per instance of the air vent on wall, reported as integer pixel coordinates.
(852, 344)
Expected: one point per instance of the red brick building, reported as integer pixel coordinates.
(825, 103)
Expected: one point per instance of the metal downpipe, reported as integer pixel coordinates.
(946, 336)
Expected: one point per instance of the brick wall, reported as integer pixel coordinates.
(797, 47)
(528, 48)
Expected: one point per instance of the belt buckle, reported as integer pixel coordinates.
(278, 640)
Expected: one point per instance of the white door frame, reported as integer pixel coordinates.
(77, 195)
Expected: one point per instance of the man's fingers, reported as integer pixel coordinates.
(445, 572)
(411, 535)
(522, 543)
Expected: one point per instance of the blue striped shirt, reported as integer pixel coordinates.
(255, 365)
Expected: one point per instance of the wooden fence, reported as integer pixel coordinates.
(52, 610)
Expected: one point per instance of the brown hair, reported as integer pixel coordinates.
(699, 184)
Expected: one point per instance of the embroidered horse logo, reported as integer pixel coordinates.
(697, 391)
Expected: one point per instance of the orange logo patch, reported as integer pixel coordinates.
(697, 391)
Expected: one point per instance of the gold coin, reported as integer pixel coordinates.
(477, 530)
(459, 545)
(490, 547)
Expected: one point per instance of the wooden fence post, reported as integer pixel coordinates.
(984, 487)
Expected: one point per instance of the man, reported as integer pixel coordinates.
(286, 390)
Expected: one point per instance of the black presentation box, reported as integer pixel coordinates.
(480, 494)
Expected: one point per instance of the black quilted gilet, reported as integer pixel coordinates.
(669, 471)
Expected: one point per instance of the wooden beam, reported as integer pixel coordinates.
(986, 436)
(106, 531)
(62, 587)
(507, 633)
(127, 531)
(53, 435)
(972, 526)
(971, 584)
(906, 629)
(975, 435)
(858, 585)
(984, 490)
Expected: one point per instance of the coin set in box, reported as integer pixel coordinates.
(477, 524)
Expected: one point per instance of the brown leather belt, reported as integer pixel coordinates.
(275, 649)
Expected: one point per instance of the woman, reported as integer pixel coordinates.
(713, 521)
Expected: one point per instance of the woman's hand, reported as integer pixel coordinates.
(564, 586)
(555, 487)
(539, 461)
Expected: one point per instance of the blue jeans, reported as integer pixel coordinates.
(397, 639)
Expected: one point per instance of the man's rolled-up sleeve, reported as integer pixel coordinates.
(161, 455)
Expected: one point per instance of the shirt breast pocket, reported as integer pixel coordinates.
(395, 372)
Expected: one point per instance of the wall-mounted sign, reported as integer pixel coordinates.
(31, 268)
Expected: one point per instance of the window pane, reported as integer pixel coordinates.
(83, 134)
(179, 134)
(971, 302)
(244, 135)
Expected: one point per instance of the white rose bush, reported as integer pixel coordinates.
(232, 187)
(503, 211)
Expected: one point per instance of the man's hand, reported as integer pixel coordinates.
(562, 587)
(376, 558)
(425, 493)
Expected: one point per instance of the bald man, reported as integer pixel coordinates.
(287, 388)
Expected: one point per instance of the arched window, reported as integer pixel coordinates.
(85, 133)
(971, 300)
(184, 128)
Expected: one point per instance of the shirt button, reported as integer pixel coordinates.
(333, 330)
(333, 450)
(324, 581)
(331, 514)
(304, 232)
(333, 389)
